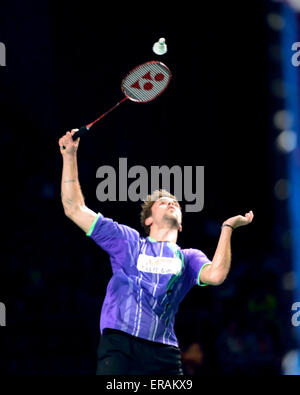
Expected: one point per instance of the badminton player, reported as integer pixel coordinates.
(150, 278)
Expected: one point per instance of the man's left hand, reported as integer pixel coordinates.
(240, 220)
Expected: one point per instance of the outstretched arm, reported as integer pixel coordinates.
(71, 195)
(216, 273)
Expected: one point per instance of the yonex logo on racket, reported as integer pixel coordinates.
(159, 77)
(186, 183)
(2, 314)
(2, 54)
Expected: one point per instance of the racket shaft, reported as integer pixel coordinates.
(85, 128)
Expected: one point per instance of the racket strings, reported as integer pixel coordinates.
(146, 82)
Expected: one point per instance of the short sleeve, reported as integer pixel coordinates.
(196, 261)
(110, 235)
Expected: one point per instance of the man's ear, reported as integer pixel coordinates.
(148, 221)
(180, 228)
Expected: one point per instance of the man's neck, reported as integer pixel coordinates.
(163, 234)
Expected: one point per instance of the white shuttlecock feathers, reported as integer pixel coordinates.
(160, 47)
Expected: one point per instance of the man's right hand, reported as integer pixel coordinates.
(67, 145)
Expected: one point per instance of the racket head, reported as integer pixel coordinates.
(146, 82)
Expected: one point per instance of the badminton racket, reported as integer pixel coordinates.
(142, 84)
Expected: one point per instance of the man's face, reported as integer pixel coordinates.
(167, 210)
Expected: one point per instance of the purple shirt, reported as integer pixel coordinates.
(150, 279)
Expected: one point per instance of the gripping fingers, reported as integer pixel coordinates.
(62, 143)
(74, 131)
(249, 216)
(66, 139)
(76, 141)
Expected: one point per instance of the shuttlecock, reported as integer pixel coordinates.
(160, 47)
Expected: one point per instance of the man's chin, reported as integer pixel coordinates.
(172, 220)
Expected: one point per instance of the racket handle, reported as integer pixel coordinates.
(80, 132)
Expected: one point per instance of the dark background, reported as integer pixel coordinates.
(65, 63)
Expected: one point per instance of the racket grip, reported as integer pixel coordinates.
(80, 132)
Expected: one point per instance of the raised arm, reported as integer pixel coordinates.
(216, 273)
(71, 195)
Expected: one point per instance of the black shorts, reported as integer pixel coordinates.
(122, 354)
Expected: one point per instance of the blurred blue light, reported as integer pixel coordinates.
(291, 77)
